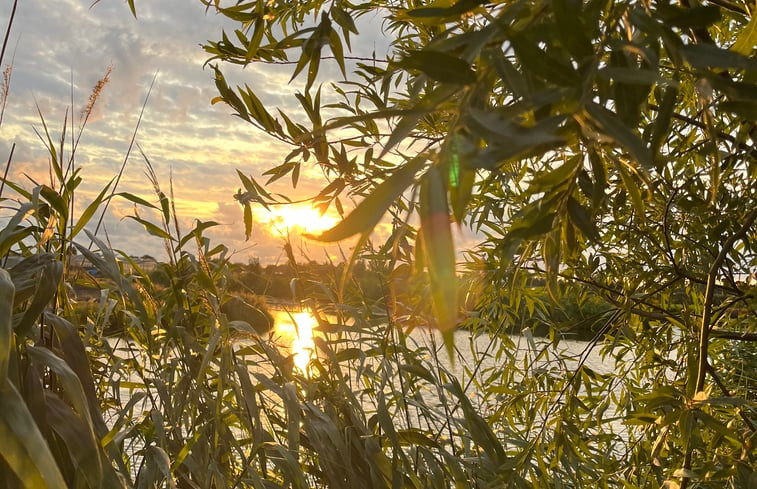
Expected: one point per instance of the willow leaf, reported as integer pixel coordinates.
(369, 212)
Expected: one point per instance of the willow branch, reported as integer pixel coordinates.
(733, 335)
(709, 297)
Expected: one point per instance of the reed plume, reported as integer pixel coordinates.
(94, 95)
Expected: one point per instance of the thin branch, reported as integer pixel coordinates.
(706, 326)
(727, 393)
(700, 125)
(709, 297)
(733, 335)
(287, 62)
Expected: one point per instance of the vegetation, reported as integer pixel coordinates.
(603, 152)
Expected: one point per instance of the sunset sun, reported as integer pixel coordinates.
(299, 218)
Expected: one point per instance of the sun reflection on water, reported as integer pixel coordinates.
(295, 329)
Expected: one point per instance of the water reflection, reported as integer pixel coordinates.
(294, 331)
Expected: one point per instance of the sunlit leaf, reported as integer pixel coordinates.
(440, 251)
(747, 39)
(368, 212)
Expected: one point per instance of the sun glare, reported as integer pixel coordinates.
(297, 329)
(297, 218)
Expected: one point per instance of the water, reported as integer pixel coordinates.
(475, 358)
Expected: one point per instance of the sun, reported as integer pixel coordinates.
(298, 218)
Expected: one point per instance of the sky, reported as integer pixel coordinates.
(59, 54)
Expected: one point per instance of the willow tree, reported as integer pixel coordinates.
(604, 146)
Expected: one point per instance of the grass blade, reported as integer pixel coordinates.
(23, 448)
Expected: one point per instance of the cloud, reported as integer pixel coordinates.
(193, 146)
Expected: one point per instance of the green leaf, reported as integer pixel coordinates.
(135, 199)
(199, 228)
(336, 48)
(743, 108)
(152, 228)
(747, 39)
(292, 407)
(258, 112)
(611, 125)
(411, 117)
(368, 213)
(7, 290)
(75, 434)
(70, 381)
(56, 201)
(247, 222)
(12, 233)
(688, 17)
(460, 7)
(707, 56)
(416, 437)
(439, 248)
(89, 212)
(46, 286)
(23, 447)
(439, 66)
(539, 62)
(582, 219)
(508, 140)
(160, 458)
(418, 370)
(632, 188)
(634, 76)
(662, 121)
(555, 178)
(75, 356)
(107, 264)
(571, 29)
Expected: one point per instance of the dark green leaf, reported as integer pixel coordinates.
(152, 228)
(439, 66)
(744, 108)
(688, 17)
(582, 219)
(571, 29)
(707, 56)
(612, 126)
(75, 434)
(23, 448)
(46, 287)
